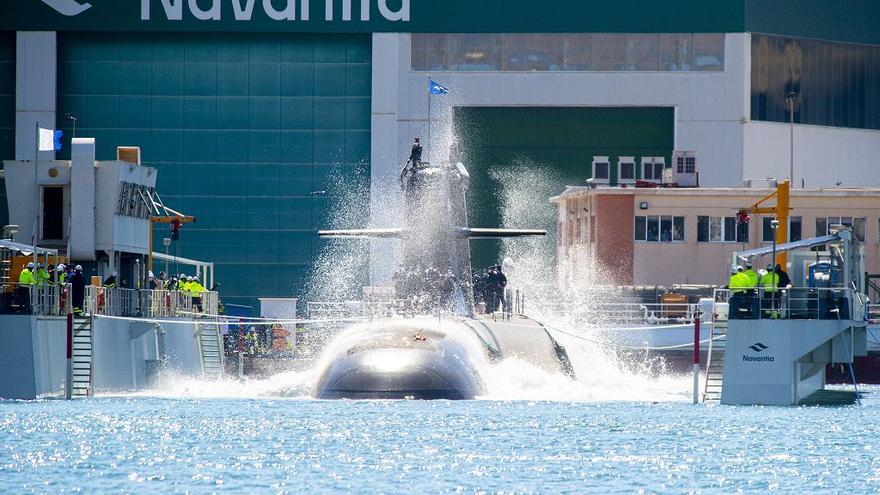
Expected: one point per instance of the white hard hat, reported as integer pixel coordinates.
(30, 264)
(189, 279)
(62, 266)
(78, 268)
(739, 268)
(196, 278)
(114, 274)
(151, 273)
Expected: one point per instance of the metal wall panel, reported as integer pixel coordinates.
(7, 111)
(243, 128)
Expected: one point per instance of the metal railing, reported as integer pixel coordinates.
(873, 313)
(41, 300)
(56, 300)
(794, 303)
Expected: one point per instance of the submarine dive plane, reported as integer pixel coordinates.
(445, 352)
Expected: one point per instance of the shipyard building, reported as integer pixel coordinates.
(264, 117)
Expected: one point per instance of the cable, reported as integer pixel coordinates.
(207, 321)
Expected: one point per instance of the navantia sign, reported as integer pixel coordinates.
(207, 15)
(278, 10)
(366, 16)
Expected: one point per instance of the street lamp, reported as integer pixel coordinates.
(790, 97)
(72, 117)
(774, 224)
(167, 242)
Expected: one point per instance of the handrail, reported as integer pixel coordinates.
(796, 303)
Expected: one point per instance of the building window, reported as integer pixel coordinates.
(627, 165)
(601, 168)
(794, 229)
(652, 168)
(824, 225)
(660, 228)
(686, 165)
(834, 83)
(551, 52)
(721, 229)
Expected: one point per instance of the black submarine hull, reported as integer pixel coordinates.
(430, 358)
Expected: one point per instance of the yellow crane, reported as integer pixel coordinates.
(780, 210)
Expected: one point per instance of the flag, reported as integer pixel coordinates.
(50, 139)
(437, 89)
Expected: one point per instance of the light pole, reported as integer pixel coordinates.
(774, 224)
(72, 117)
(790, 97)
(167, 242)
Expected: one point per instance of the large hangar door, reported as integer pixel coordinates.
(524, 155)
(245, 130)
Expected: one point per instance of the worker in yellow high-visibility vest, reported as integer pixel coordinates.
(770, 283)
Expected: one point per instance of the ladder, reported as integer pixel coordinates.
(82, 357)
(715, 361)
(210, 351)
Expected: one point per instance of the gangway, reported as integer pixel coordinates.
(82, 357)
(210, 350)
(717, 349)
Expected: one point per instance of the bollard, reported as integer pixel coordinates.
(68, 386)
(240, 348)
(697, 358)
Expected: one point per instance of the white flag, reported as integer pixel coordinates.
(47, 139)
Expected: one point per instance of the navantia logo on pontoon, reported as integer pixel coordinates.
(278, 10)
(69, 8)
(758, 347)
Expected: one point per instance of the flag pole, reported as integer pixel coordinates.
(430, 97)
(36, 192)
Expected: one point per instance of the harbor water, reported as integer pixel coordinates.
(269, 438)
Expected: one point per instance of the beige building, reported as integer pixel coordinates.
(665, 236)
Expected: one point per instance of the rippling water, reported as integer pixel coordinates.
(257, 445)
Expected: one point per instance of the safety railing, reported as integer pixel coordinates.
(873, 313)
(148, 303)
(57, 300)
(41, 300)
(795, 303)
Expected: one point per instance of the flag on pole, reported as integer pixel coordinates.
(437, 89)
(50, 140)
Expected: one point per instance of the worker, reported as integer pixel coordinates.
(26, 277)
(110, 282)
(181, 282)
(784, 279)
(25, 282)
(78, 290)
(754, 279)
(42, 276)
(195, 291)
(739, 281)
(187, 284)
(61, 274)
(770, 283)
(152, 281)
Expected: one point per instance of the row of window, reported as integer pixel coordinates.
(568, 52)
(668, 228)
(825, 83)
(651, 168)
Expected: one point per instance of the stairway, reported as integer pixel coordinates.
(82, 357)
(715, 361)
(211, 351)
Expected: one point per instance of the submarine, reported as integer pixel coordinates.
(440, 347)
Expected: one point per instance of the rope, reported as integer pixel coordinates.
(631, 348)
(208, 322)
